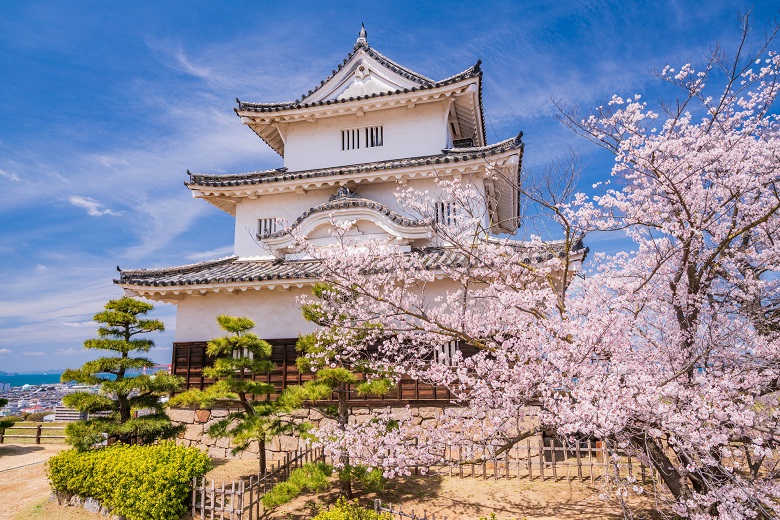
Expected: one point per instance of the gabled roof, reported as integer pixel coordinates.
(386, 79)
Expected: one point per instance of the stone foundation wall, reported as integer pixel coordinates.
(197, 423)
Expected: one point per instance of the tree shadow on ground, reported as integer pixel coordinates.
(17, 449)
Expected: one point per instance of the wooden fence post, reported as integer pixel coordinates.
(38, 434)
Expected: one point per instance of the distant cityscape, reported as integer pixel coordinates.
(43, 393)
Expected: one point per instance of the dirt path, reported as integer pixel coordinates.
(22, 476)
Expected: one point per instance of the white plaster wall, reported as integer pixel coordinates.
(289, 206)
(274, 311)
(408, 132)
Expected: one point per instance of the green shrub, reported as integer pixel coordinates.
(345, 510)
(138, 482)
(310, 477)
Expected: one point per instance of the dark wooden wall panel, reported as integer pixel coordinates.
(189, 359)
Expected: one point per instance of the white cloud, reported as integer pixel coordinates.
(10, 176)
(34, 354)
(68, 351)
(93, 207)
(79, 324)
(160, 349)
(4, 351)
(213, 253)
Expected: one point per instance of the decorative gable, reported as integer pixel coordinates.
(367, 81)
(363, 73)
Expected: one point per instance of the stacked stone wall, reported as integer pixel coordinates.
(197, 423)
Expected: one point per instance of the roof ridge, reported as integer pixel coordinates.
(180, 268)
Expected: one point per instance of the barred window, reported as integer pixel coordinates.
(369, 136)
(444, 213)
(266, 226)
(445, 353)
(243, 353)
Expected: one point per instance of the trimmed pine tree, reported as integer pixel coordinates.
(123, 391)
(255, 417)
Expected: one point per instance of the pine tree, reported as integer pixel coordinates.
(121, 393)
(322, 355)
(240, 357)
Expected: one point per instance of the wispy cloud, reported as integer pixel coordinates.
(34, 354)
(93, 207)
(70, 351)
(211, 254)
(4, 351)
(79, 324)
(10, 176)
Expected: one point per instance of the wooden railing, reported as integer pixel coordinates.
(242, 499)
(400, 513)
(38, 435)
(548, 459)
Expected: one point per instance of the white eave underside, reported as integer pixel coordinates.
(465, 94)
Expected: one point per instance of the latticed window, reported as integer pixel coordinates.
(445, 353)
(367, 137)
(266, 226)
(243, 353)
(444, 213)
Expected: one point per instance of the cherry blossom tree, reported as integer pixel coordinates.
(671, 349)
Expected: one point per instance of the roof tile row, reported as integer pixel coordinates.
(451, 155)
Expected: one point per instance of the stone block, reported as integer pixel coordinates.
(274, 445)
(181, 415)
(217, 453)
(360, 419)
(193, 432)
(92, 505)
(301, 413)
(327, 423)
(288, 443)
(223, 442)
(219, 414)
(429, 423)
(202, 415)
(429, 412)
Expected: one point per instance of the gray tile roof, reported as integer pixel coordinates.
(386, 62)
(451, 155)
(233, 270)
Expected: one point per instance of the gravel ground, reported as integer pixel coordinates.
(22, 477)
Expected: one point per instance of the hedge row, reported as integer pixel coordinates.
(138, 482)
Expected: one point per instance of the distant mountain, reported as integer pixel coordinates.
(43, 372)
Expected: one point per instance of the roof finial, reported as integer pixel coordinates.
(362, 37)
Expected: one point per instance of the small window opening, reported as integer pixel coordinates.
(266, 226)
(444, 213)
(243, 353)
(371, 136)
(446, 353)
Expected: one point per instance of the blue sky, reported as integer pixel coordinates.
(104, 106)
